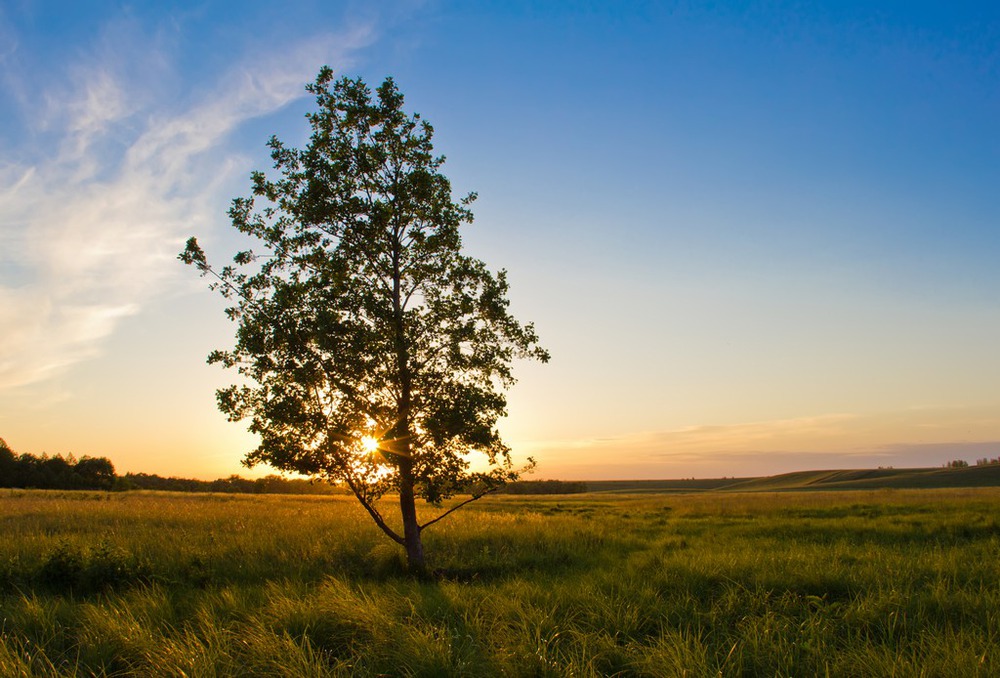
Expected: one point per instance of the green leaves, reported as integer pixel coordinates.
(193, 254)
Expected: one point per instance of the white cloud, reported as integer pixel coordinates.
(91, 226)
(102, 102)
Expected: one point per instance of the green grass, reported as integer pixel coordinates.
(888, 582)
(685, 485)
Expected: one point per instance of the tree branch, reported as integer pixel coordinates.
(458, 506)
(373, 512)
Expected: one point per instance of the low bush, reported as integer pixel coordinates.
(70, 568)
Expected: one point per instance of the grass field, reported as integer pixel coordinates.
(847, 583)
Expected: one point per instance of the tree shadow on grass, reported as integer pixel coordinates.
(468, 561)
(485, 572)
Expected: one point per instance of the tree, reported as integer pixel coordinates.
(96, 473)
(9, 476)
(372, 352)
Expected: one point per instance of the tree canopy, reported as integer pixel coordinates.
(371, 350)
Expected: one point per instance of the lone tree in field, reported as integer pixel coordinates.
(373, 353)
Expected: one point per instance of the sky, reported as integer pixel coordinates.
(756, 237)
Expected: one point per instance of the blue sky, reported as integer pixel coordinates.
(756, 237)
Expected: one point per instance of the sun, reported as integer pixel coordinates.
(369, 444)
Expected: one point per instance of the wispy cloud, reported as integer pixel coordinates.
(93, 218)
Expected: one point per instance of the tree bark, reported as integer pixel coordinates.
(411, 528)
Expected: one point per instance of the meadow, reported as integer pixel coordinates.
(849, 583)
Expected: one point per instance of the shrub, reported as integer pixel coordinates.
(72, 569)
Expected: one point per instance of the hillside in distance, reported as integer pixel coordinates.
(857, 479)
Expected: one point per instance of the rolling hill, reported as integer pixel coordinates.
(851, 479)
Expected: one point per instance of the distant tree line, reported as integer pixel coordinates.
(98, 473)
(272, 484)
(544, 487)
(961, 463)
(55, 473)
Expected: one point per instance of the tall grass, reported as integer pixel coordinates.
(859, 583)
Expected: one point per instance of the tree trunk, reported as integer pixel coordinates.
(411, 528)
(407, 504)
